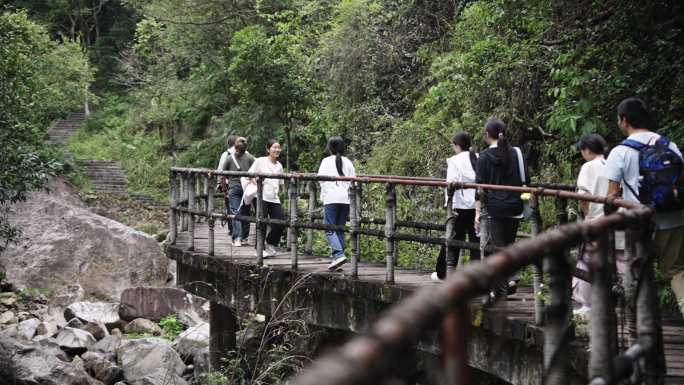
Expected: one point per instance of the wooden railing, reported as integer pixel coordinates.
(367, 359)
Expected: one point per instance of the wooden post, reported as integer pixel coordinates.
(355, 224)
(191, 206)
(261, 236)
(173, 223)
(556, 343)
(311, 186)
(184, 199)
(648, 319)
(292, 235)
(454, 345)
(209, 181)
(206, 192)
(390, 218)
(449, 233)
(538, 277)
(222, 328)
(602, 310)
(629, 283)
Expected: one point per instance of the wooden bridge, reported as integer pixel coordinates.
(404, 319)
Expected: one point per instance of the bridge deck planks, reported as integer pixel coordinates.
(518, 307)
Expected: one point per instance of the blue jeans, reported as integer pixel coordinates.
(336, 214)
(240, 229)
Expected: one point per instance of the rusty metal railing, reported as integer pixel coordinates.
(367, 359)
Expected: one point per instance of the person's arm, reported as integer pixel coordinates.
(221, 167)
(583, 180)
(613, 189)
(526, 182)
(614, 171)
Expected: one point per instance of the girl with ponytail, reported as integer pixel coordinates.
(335, 197)
(501, 164)
(460, 168)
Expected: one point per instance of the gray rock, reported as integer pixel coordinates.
(97, 329)
(201, 362)
(142, 325)
(69, 241)
(107, 347)
(33, 363)
(155, 303)
(27, 329)
(117, 332)
(150, 361)
(76, 341)
(68, 295)
(74, 323)
(47, 329)
(78, 361)
(8, 301)
(104, 370)
(7, 317)
(194, 339)
(105, 312)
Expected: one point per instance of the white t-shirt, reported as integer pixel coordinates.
(591, 180)
(335, 192)
(271, 186)
(459, 169)
(623, 166)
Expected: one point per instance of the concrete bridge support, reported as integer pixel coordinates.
(222, 327)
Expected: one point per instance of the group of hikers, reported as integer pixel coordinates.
(646, 168)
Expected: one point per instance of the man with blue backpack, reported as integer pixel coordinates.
(648, 168)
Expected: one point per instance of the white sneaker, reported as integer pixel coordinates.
(337, 262)
(435, 277)
(237, 243)
(269, 251)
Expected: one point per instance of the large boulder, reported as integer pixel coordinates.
(155, 303)
(150, 361)
(193, 340)
(64, 243)
(75, 341)
(35, 363)
(95, 312)
(27, 329)
(106, 347)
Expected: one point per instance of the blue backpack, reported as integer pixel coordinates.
(661, 175)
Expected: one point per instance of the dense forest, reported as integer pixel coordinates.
(168, 80)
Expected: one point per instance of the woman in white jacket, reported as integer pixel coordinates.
(460, 168)
(272, 208)
(335, 197)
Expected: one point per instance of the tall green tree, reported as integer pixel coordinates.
(39, 81)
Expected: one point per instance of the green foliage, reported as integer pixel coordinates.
(39, 81)
(171, 327)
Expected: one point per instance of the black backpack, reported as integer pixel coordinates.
(661, 175)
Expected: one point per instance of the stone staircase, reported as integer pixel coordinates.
(60, 133)
(106, 176)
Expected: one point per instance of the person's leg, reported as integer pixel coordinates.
(226, 204)
(275, 211)
(469, 223)
(440, 268)
(511, 233)
(235, 199)
(670, 247)
(245, 210)
(459, 235)
(330, 218)
(342, 218)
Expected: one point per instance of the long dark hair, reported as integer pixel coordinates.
(463, 140)
(496, 129)
(336, 147)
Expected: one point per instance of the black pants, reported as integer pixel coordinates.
(502, 232)
(463, 225)
(273, 211)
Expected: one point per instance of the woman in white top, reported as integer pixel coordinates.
(272, 208)
(335, 197)
(460, 168)
(592, 180)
